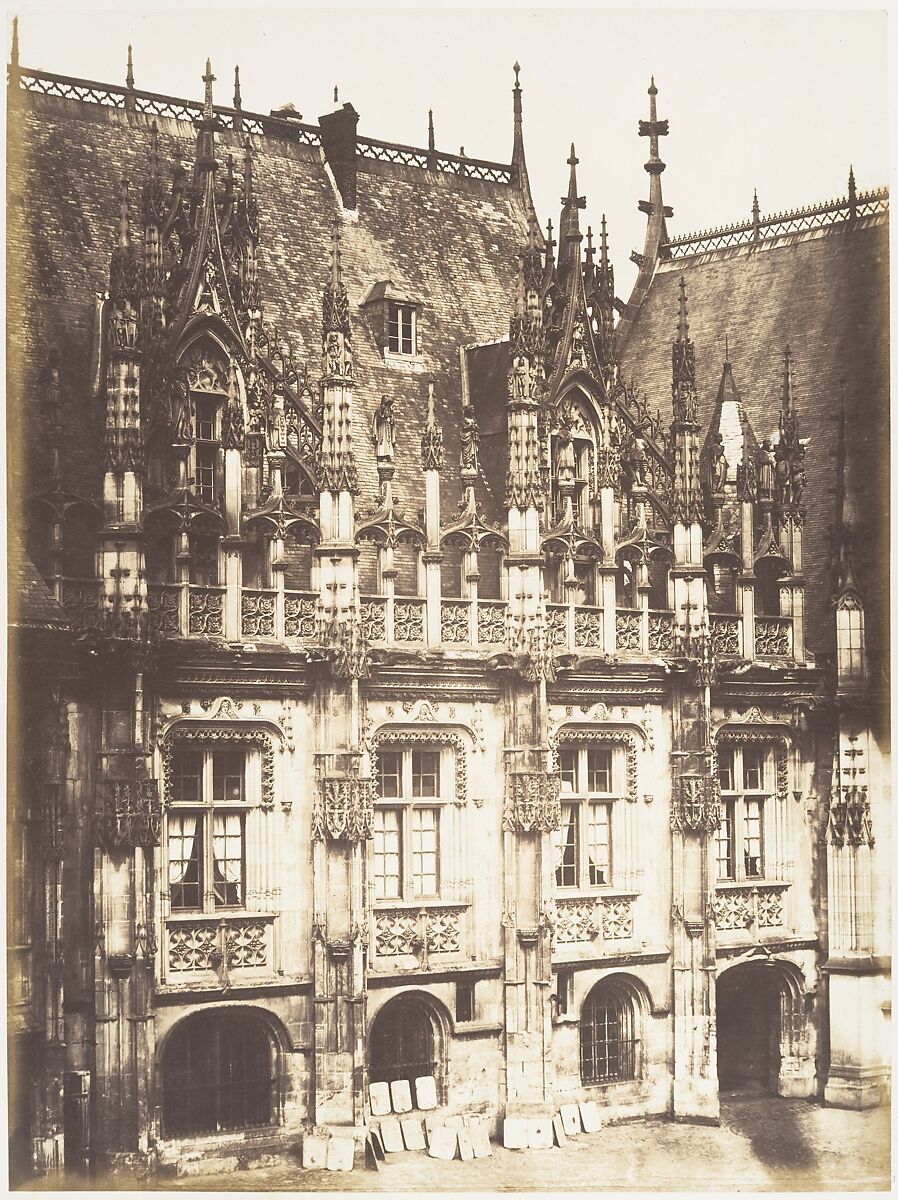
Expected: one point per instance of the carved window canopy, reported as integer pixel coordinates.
(204, 734)
(404, 735)
(616, 736)
(774, 738)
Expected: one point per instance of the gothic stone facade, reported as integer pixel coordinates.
(404, 689)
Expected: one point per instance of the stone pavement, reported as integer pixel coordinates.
(762, 1144)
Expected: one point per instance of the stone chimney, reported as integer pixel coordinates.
(338, 137)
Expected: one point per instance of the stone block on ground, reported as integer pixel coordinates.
(432, 1123)
(379, 1099)
(340, 1154)
(570, 1119)
(558, 1129)
(590, 1116)
(539, 1133)
(391, 1135)
(426, 1092)
(515, 1134)
(401, 1095)
(465, 1146)
(480, 1140)
(413, 1133)
(443, 1144)
(314, 1152)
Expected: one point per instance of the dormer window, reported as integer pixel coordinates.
(402, 329)
(207, 447)
(394, 314)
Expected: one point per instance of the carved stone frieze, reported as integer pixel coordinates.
(695, 808)
(532, 802)
(344, 809)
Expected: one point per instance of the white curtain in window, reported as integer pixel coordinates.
(226, 846)
(181, 836)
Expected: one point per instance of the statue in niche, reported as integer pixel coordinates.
(276, 430)
(637, 458)
(565, 456)
(782, 476)
(182, 417)
(766, 470)
(798, 475)
(470, 440)
(123, 325)
(718, 467)
(384, 430)
(520, 378)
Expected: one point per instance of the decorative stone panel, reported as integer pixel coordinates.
(164, 608)
(299, 615)
(724, 634)
(344, 809)
(583, 919)
(81, 601)
(695, 808)
(491, 622)
(556, 625)
(434, 929)
(408, 620)
(455, 621)
(205, 611)
(628, 627)
(257, 614)
(773, 637)
(588, 628)
(532, 802)
(199, 945)
(373, 614)
(744, 906)
(131, 815)
(661, 638)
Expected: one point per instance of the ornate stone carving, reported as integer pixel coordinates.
(197, 946)
(434, 929)
(695, 808)
(532, 801)
(741, 906)
(373, 615)
(724, 634)
(164, 608)
(202, 733)
(772, 636)
(131, 815)
(455, 623)
(205, 611)
(582, 919)
(556, 625)
(408, 620)
(299, 616)
(257, 614)
(628, 626)
(661, 633)
(344, 810)
(491, 622)
(193, 947)
(588, 628)
(619, 737)
(849, 817)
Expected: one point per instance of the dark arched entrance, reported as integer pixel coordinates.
(218, 1074)
(404, 1043)
(748, 1028)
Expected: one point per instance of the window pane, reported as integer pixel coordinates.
(568, 763)
(725, 771)
(565, 840)
(753, 768)
(599, 764)
(387, 854)
(726, 859)
(405, 319)
(394, 328)
(425, 773)
(205, 472)
(752, 839)
(390, 773)
(185, 856)
(598, 844)
(227, 859)
(425, 825)
(227, 775)
(205, 419)
(187, 776)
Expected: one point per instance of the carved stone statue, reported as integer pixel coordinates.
(766, 470)
(520, 378)
(782, 477)
(181, 414)
(718, 467)
(123, 326)
(384, 429)
(470, 440)
(798, 476)
(637, 458)
(276, 431)
(565, 458)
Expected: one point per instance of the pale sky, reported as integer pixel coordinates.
(780, 101)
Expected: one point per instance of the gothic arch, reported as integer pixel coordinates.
(427, 1019)
(255, 733)
(426, 733)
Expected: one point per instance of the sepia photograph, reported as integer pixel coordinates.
(448, 696)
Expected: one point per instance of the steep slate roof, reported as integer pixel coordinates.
(452, 241)
(31, 606)
(825, 293)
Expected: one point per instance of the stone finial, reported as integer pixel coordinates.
(208, 80)
(432, 438)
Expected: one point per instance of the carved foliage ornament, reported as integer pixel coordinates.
(131, 815)
(532, 802)
(695, 808)
(203, 734)
(849, 817)
(343, 809)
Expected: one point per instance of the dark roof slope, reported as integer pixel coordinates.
(453, 241)
(31, 606)
(825, 293)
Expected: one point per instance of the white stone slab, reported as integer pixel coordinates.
(480, 1140)
(379, 1099)
(340, 1154)
(426, 1092)
(539, 1133)
(515, 1134)
(570, 1119)
(413, 1133)
(465, 1146)
(391, 1135)
(401, 1095)
(455, 1122)
(314, 1152)
(431, 1124)
(590, 1116)
(558, 1129)
(443, 1144)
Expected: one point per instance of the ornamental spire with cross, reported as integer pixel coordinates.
(653, 129)
(569, 226)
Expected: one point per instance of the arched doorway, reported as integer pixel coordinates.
(218, 1073)
(749, 1028)
(406, 1042)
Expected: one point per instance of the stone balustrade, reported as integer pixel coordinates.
(420, 930)
(749, 910)
(218, 945)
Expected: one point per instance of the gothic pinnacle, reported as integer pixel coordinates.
(653, 129)
(603, 246)
(14, 53)
(590, 249)
(682, 323)
(129, 74)
(238, 99)
(336, 283)
(124, 225)
(208, 80)
(431, 141)
(788, 394)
